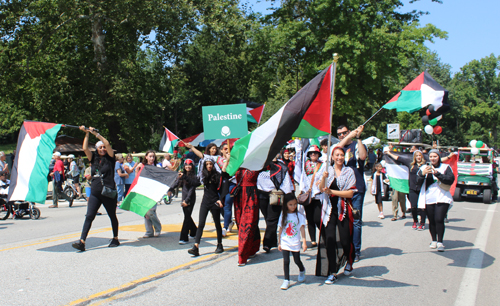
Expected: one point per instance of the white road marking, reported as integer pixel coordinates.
(470, 281)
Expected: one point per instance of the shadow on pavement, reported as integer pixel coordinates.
(456, 244)
(90, 244)
(456, 220)
(372, 223)
(4, 225)
(380, 252)
(461, 257)
(370, 271)
(458, 228)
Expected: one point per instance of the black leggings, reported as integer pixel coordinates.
(204, 209)
(286, 262)
(436, 214)
(188, 226)
(313, 216)
(415, 211)
(94, 203)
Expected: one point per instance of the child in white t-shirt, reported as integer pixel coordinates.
(291, 233)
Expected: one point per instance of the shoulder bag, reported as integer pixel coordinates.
(305, 198)
(107, 191)
(276, 197)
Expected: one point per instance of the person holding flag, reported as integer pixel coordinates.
(102, 169)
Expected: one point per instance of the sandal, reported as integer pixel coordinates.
(394, 219)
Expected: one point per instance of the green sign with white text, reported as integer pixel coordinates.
(225, 121)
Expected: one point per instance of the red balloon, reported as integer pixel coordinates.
(438, 130)
(428, 112)
(484, 146)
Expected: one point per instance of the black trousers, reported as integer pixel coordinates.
(329, 233)
(313, 217)
(271, 215)
(204, 209)
(188, 226)
(436, 213)
(415, 211)
(286, 262)
(94, 203)
(57, 192)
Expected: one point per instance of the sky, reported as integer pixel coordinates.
(473, 27)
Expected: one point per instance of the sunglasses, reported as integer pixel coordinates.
(343, 133)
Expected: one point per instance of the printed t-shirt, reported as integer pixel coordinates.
(290, 235)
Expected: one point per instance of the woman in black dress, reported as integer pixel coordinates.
(102, 163)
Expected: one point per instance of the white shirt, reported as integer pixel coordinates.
(290, 235)
(4, 190)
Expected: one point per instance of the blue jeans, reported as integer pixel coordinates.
(357, 203)
(228, 207)
(120, 189)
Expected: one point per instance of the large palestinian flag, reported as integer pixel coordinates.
(35, 145)
(254, 110)
(397, 170)
(168, 141)
(149, 186)
(306, 114)
(420, 93)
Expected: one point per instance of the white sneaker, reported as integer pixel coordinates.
(302, 276)
(331, 279)
(440, 247)
(182, 242)
(285, 285)
(230, 226)
(348, 269)
(224, 233)
(381, 215)
(433, 245)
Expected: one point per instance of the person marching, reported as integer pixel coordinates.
(436, 180)
(337, 216)
(102, 169)
(215, 188)
(273, 182)
(151, 220)
(377, 190)
(310, 177)
(188, 181)
(291, 232)
(414, 165)
(246, 212)
(58, 175)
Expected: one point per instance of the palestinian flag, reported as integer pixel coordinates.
(421, 92)
(397, 172)
(306, 114)
(149, 187)
(35, 145)
(168, 142)
(254, 110)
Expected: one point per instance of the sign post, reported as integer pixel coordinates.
(225, 121)
(393, 131)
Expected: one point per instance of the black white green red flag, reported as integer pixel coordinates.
(149, 187)
(35, 146)
(168, 141)
(254, 110)
(306, 114)
(420, 93)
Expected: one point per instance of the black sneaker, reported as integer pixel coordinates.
(70, 202)
(219, 248)
(79, 246)
(194, 251)
(266, 249)
(114, 243)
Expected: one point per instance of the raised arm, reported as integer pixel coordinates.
(85, 145)
(109, 149)
(196, 151)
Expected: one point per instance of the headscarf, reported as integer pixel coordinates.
(98, 144)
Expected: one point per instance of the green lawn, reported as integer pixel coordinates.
(8, 148)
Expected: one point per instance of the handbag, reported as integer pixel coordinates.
(107, 191)
(276, 197)
(356, 214)
(305, 198)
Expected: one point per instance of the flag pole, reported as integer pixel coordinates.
(332, 96)
(177, 136)
(76, 127)
(372, 116)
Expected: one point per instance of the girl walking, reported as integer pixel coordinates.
(377, 189)
(215, 189)
(291, 233)
(188, 181)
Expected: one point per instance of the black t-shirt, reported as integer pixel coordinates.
(106, 166)
(334, 200)
(358, 165)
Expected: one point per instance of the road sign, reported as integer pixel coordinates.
(393, 131)
(225, 121)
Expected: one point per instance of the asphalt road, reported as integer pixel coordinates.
(39, 266)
